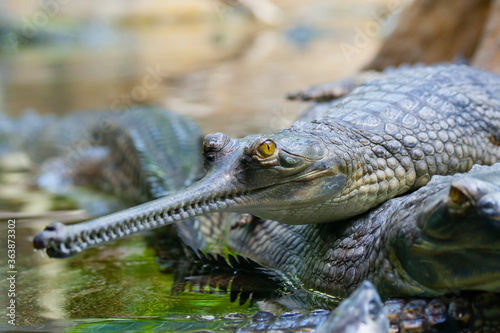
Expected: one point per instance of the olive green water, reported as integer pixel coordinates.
(214, 63)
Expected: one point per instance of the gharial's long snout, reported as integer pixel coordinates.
(252, 175)
(66, 240)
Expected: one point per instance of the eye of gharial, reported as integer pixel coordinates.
(457, 197)
(209, 157)
(267, 148)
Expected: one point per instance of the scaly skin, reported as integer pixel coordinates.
(137, 154)
(441, 238)
(387, 137)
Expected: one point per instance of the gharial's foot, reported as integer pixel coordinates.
(333, 90)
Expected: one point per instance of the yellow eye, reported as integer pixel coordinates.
(267, 148)
(457, 196)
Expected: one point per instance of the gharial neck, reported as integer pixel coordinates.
(374, 174)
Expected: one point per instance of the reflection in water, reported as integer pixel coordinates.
(120, 280)
(51, 301)
(222, 68)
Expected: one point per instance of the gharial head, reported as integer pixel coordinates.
(286, 177)
(455, 241)
(362, 312)
(278, 177)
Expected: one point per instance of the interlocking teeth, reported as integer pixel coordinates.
(88, 238)
(63, 248)
(184, 214)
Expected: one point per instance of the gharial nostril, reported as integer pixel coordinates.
(54, 226)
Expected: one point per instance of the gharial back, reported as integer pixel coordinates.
(425, 110)
(394, 133)
(133, 154)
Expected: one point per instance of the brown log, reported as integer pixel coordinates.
(487, 55)
(431, 31)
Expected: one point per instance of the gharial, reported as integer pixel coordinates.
(388, 136)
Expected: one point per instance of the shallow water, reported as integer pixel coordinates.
(119, 281)
(213, 63)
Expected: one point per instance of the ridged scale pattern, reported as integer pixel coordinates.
(335, 259)
(393, 134)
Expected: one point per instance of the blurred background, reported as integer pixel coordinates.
(228, 63)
